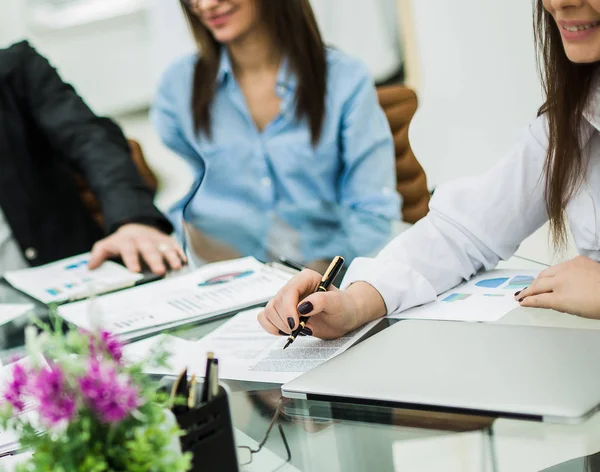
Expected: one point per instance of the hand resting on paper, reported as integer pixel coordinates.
(571, 287)
(332, 314)
(132, 241)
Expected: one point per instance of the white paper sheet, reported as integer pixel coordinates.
(70, 279)
(9, 312)
(246, 352)
(487, 297)
(212, 290)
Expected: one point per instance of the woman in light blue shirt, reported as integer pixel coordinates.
(293, 154)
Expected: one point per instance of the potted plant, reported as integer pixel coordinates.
(78, 406)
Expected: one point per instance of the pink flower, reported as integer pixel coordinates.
(16, 387)
(56, 403)
(111, 396)
(106, 343)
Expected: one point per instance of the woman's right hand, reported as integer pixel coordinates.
(332, 314)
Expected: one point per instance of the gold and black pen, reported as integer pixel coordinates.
(330, 274)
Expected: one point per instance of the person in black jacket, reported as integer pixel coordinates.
(47, 133)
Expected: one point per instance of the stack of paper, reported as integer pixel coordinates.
(245, 351)
(209, 292)
(70, 279)
(487, 297)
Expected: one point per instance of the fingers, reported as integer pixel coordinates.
(153, 257)
(539, 286)
(173, 258)
(277, 319)
(285, 304)
(267, 325)
(101, 251)
(549, 272)
(544, 300)
(129, 255)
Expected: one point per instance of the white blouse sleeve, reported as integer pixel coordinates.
(473, 223)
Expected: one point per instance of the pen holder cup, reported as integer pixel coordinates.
(209, 436)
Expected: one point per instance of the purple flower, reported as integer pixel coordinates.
(16, 387)
(110, 395)
(106, 343)
(56, 404)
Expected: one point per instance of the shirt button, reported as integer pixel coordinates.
(265, 182)
(31, 253)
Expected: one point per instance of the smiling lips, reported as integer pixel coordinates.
(219, 20)
(577, 30)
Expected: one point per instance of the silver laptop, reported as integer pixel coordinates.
(532, 373)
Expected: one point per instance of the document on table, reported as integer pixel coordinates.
(208, 292)
(70, 279)
(247, 352)
(487, 297)
(10, 312)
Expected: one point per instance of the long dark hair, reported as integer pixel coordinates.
(292, 26)
(567, 88)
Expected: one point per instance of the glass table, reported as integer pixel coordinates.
(323, 436)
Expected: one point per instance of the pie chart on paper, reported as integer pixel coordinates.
(224, 278)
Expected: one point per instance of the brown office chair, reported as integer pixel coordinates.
(400, 104)
(148, 177)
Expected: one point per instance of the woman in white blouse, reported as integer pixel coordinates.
(553, 173)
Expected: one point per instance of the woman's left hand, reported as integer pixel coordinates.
(571, 287)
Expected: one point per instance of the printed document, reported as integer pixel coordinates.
(247, 352)
(487, 297)
(70, 279)
(10, 312)
(210, 291)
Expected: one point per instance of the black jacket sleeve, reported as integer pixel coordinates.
(94, 146)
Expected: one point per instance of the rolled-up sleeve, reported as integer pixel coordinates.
(473, 224)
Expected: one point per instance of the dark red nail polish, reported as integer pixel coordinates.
(305, 308)
(281, 333)
(517, 294)
(521, 300)
(291, 322)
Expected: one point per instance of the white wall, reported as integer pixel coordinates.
(478, 89)
(478, 83)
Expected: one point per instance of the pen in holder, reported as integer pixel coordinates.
(205, 419)
(209, 435)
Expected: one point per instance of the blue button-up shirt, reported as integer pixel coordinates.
(272, 193)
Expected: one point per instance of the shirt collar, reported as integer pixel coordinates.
(286, 79)
(591, 111)
(225, 67)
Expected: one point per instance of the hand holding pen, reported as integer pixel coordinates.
(328, 278)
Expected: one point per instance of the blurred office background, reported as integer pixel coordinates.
(472, 64)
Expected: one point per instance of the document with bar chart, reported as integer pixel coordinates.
(486, 297)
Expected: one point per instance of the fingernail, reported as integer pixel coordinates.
(305, 308)
(291, 323)
(281, 333)
(518, 293)
(306, 332)
(520, 300)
